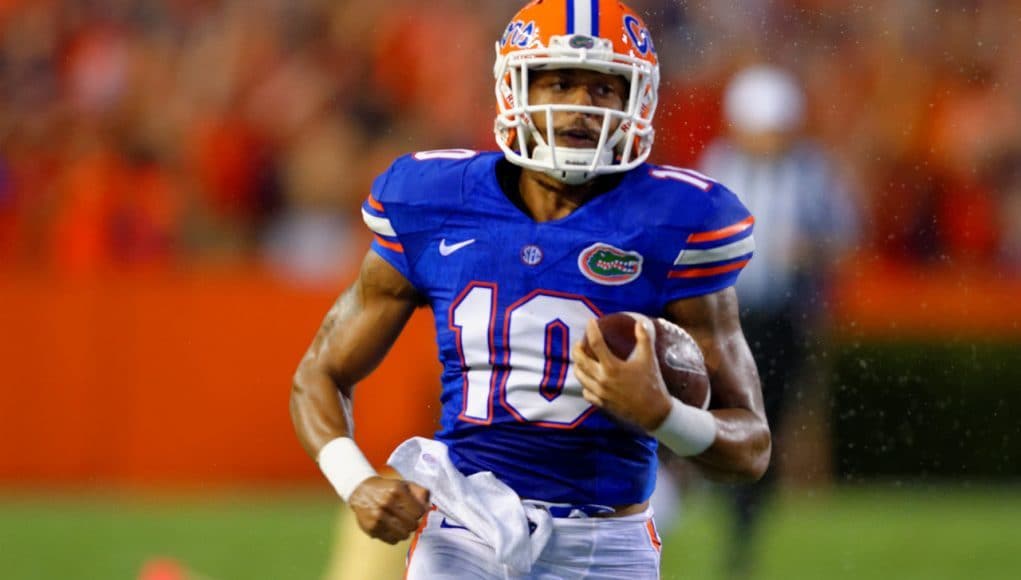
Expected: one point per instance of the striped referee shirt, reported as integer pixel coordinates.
(801, 209)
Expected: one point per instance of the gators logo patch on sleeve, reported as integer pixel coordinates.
(605, 264)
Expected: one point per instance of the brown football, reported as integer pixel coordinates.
(680, 358)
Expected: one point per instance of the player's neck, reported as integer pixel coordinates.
(546, 199)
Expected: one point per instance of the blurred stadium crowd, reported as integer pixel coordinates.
(160, 133)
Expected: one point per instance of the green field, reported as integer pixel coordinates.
(870, 532)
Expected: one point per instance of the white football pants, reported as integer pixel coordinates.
(590, 548)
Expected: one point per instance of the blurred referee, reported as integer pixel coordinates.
(803, 221)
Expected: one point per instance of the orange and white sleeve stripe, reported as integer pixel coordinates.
(716, 252)
(374, 216)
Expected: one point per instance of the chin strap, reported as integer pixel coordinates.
(573, 163)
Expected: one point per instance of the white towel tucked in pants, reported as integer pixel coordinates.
(480, 530)
(479, 502)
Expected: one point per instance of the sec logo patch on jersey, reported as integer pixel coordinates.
(608, 265)
(531, 255)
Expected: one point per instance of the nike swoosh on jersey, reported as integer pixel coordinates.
(444, 524)
(446, 250)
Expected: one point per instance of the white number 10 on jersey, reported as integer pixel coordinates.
(526, 366)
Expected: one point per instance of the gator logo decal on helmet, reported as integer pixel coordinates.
(605, 264)
(579, 41)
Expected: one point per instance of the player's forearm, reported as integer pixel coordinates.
(741, 450)
(320, 409)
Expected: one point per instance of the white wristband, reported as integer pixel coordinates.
(344, 465)
(687, 430)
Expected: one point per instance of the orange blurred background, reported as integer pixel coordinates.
(180, 183)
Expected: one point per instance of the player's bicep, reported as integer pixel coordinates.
(712, 320)
(364, 322)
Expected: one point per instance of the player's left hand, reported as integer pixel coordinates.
(631, 389)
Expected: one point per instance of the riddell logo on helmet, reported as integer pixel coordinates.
(605, 264)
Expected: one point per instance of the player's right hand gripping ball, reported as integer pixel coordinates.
(680, 359)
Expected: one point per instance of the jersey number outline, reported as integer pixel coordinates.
(455, 154)
(528, 370)
(689, 176)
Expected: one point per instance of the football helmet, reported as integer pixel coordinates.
(600, 35)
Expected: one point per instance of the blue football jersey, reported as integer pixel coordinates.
(510, 295)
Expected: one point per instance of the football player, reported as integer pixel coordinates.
(517, 253)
